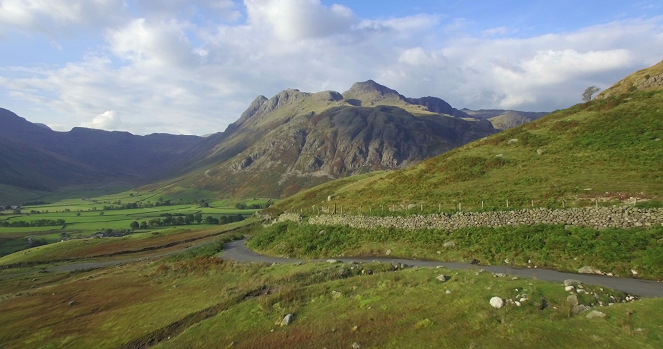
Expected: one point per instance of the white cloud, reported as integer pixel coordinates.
(181, 75)
(55, 16)
(105, 121)
(292, 20)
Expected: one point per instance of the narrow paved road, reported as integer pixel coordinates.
(237, 251)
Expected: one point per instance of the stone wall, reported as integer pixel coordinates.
(599, 218)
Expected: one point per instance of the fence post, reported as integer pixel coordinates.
(334, 208)
(563, 203)
(596, 200)
(532, 202)
(422, 207)
(482, 205)
(507, 203)
(459, 207)
(439, 207)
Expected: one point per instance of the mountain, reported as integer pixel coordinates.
(296, 140)
(36, 157)
(27, 167)
(504, 119)
(607, 150)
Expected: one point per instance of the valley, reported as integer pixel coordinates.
(363, 219)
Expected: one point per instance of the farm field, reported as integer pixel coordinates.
(85, 216)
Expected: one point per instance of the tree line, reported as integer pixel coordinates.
(181, 219)
(37, 223)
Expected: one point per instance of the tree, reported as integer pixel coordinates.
(188, 219)
(179, 220)
(17, 211)
(143, 225)
(198, 217)
(209, 220)
(134, 225)
(589, 93)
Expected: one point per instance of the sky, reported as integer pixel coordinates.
(193, 66)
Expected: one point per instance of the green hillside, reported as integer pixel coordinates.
(608, 150)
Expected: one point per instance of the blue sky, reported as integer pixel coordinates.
(192, 66)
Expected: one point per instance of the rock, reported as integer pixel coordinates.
(332, 261)
(577, 309)
(336, 294)
(330, 197)
(442, 278)
(572, 282)
(321, 232)
(355, 328)
(449, 244)
(72, 303)
(356, 345)
(540, 151)
(596, 314)
(517, 303)
(287, 320)
(388, 253)
(512, 141)
(499, 275)
(634, 272)
(572, 299)
(499, 155)
(448, 292)
(411, 206)
(569, 288)
(496, 302)
(588, 270)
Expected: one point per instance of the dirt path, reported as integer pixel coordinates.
(237, 251)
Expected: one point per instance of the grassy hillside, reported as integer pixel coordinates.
(200, 302)
(607, 150)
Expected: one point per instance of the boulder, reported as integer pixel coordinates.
(442, 278)
(588, 270)
(496, 302)
(356, 345)
(594, 314)
(336, 294)
(569, 288)
(388, 253)
(572, 282)
(449, 244)
(332, 261)
(580, 308)
(287, 320)
(572, 299)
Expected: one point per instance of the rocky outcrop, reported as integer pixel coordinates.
(601, 218)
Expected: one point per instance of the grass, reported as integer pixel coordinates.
(607, 149)
(89, 248)
(83, 215)
(241, 304)
(550, 246)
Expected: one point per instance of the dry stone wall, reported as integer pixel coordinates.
(599, 218)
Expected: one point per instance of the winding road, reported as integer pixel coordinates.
(237, 251)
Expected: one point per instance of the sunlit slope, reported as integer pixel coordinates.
(608, 149)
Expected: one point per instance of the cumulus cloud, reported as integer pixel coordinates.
(292, 20)
(57, 16)
(108, 120)
(175, 74)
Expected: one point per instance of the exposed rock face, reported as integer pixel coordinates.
(297, 140)
(504, 119)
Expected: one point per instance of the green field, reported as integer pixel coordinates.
(85, 216)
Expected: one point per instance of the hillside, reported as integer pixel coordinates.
(26, 167)
(296, 140)
(504, 119)
(649, 79)
(38, 158)
(608, 150)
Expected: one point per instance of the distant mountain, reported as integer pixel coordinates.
(296, 140)
(38, 157)
(504, 119)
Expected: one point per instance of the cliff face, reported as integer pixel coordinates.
(296, 140)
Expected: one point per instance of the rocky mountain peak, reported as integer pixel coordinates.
(371, 91)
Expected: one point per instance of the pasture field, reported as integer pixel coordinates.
(198, 301)
(85, 216)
